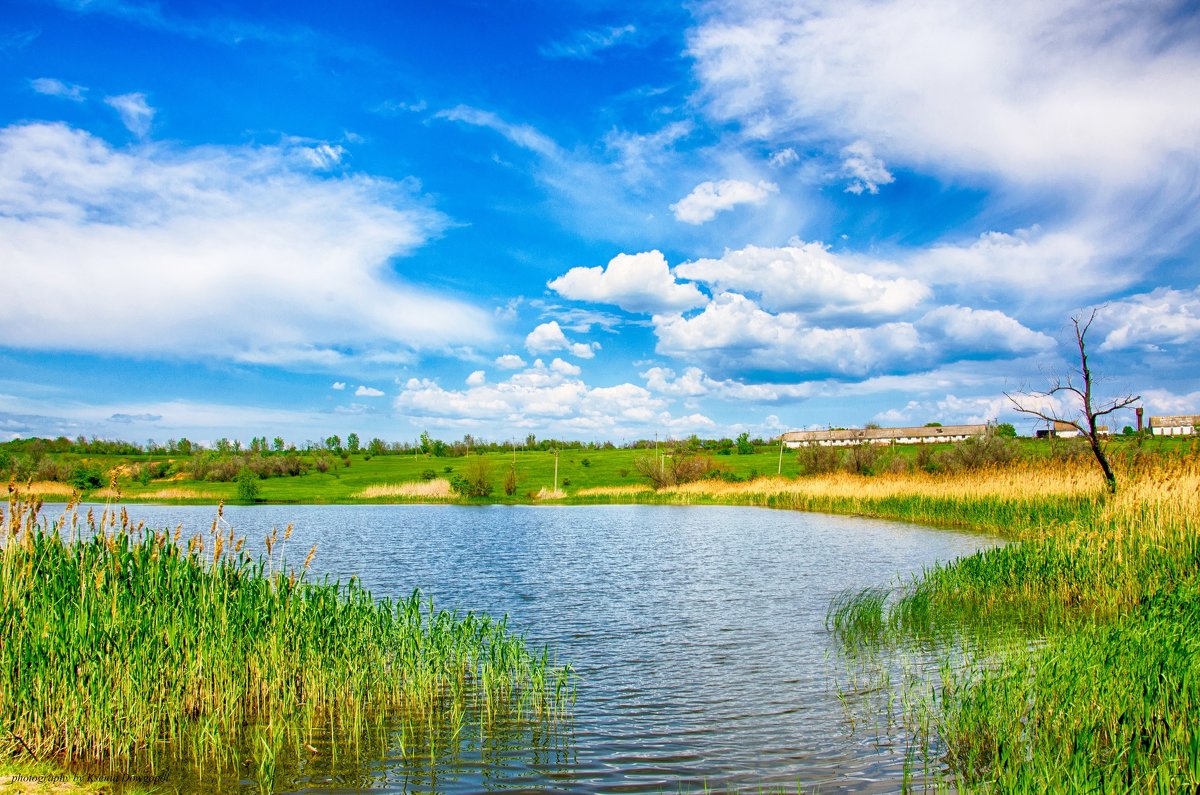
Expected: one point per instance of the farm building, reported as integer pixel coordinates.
(1176, 425)
(1065, 430)
(842, 437)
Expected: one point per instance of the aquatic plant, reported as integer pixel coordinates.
(1082, 662)
(126, 648)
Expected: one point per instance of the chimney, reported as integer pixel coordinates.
(1138, 411)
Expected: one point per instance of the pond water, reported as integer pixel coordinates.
(697, 633)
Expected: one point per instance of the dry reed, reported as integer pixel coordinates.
(437, 489)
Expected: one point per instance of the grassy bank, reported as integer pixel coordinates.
(584, 475)
(129, 650)
(1106, 699)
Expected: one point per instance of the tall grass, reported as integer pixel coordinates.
(1082, 669)
(127, 648)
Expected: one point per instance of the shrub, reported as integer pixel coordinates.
(247, 485)
(510, 481)
(980, 451)
(475, 481)
(586, 462)
(675, 469)
(816, 459)
(861, 458)
(428, 474)
(86, 478)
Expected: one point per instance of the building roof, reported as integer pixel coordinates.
(1175, 421)
(877, 434)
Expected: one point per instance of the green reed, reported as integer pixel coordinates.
(1070, 657)
(122, 647)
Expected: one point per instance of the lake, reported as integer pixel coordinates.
(697, 633)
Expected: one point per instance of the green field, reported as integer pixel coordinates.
(578, 470)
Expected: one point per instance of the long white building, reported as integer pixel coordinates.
(1174, 425)
(843, 437)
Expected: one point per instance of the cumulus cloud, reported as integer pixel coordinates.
(368, 391)
(543, 396)
(231, 252)
(510, 361)
(635, 282)
(865, 171)
(135, 112)
(53, 87)
(477, 378)
(338, 385)
(1152, 320)
(549, 337)
(566, 368)
(695, 383)
(709, 198)
(809, 278)
(963, 332)
(734, 335)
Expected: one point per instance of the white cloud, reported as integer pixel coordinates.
(52, 87)
(324, 156)
(709, 198)
(807, 277)
(694, 383)
(783, 157)
(1040, 271)
(979, 333)
(542, 397)
(510, 361)
(585, 44)
(232, 252)
(566, 368)
(734, 335)
(1164, 401)
(549, 337)
(635, 282)
(1151, 320)
(368, 391)
(338, 385)
(522, 135)
(1029, 90)
(477, 378)
(135, 112)
(865, 170)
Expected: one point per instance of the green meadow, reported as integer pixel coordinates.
(1069, 657)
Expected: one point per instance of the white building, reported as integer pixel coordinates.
(843, 437)
(1176, 425)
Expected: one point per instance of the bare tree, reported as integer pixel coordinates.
(1080, 384)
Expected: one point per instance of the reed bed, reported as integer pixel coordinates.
(123, 648)
(43, 488)
(438, 488)
(1082, 669)
(109, 493)
(614, 491)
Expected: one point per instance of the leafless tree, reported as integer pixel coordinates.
(1079, 383)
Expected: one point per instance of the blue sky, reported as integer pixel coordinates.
(587, 219)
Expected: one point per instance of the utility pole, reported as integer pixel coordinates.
(780, 470)
(555, 469)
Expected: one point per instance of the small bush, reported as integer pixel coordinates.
(586, 462)
(247, 486)
(510, 481)
(816, 459)
(861, 458)
(86, 478)
(428, 474)
(675, 469)
(475, 480)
